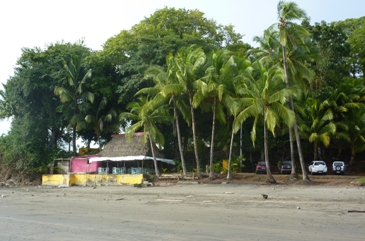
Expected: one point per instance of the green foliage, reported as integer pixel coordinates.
(361, 180)
(332, 66)
(25, 149)
(217, 167)
(197, 72)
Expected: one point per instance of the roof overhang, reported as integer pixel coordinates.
(130, 158)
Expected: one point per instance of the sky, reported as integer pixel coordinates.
(37, 23)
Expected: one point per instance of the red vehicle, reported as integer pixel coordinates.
(260, 167)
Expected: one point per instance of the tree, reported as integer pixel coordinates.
(37, 125)
(317, 124)
(355, 30)
(189, 63)
(145, 115)
(167, 87)
(267, 98)
(72, 89)
(214, 87)
(356, 133)
(347, 104)
(96, 116)
(131, 52)
(334, 50)
(269, 53)
(292, 34)
(240, 69)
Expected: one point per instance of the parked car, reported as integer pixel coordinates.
(318, 167)
(260, 167)
(339, 167)
(285, 167)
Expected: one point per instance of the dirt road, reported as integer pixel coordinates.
(183, 212)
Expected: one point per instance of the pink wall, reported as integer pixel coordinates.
(80, 164)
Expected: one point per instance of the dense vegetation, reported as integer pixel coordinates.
(193, 85)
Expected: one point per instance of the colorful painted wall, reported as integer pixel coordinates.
(91, 179)
(80, 164)
(56, 180)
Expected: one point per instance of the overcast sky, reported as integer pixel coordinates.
(36, 23)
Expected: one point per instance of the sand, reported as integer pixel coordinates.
(183, 212)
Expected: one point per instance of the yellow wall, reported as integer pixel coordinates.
(91, 179)
(55, 180)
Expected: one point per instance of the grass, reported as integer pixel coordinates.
(361, 179)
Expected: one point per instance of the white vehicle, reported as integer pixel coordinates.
(318, 167)
(339, 167)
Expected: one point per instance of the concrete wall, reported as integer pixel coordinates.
(79, 164)
(91, 179)
(56, 180)
(63, 166)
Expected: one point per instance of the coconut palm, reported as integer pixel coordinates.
(213, 88)
(188, 68)
(317, 125)
(347, 104)
(145, 114)
(269, 53)
(96, 116)
(290, 36)
(355, 132)
(239, 70)
(267, 98)
(167, 87)
(72, 90)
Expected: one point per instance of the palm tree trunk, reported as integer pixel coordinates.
(211, 174)
(315, 156)
(74, 131)
(293, 174)
(99, 142)
(301, 159)
(194, 137)
(74, 139)
(352, 158)
(229, 171)
(179, 139)
(269, 177)
(154, 157)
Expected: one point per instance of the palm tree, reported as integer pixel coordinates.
(356, 132)
(239, 70)
(76, 77)
(267, 98)
(95, 116)
(146, 114)
(317, 124)
(347, 104)
(269, 53)
(214, 87)
(167, 87)
(292, 34)
(188, 68)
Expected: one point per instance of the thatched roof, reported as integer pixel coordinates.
(120, 145)
(120, 148)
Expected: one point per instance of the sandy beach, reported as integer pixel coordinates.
(183, 212)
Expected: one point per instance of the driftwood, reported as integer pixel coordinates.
(356, 211)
